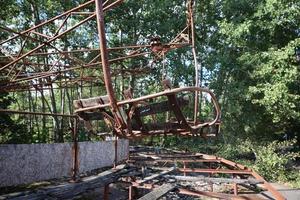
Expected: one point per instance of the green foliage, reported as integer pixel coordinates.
(254, 72)
(11, 131)
(271, 160)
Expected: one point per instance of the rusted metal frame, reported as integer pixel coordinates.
(43, 42)
(62, 24)
(112, 5)
(277, 195)
(105, 66)
(114, 60)
(177, 112)
(130, 192)
(40, 73)
(7, 54)
(75, 167)
(19, 53)
(178, 35)
(146, 97)
(106, 192)
(223, 161)
(69, 69)
(36, 113)
(88, 79)
(197, 68)
(15, 75)
(66, 79)
(45, 74)
(89, 50)
(81, 13)
(41, 64)
(211, 194)
(23, 89)
(37, 74)
(129, 56)
(47, 42)
(84, 50)
(116, 151)
(40, 34)
(141, 134)
(266, 185)
(167, 92)
(133, 113)
(214, 180)
(84, 66)
(48, 21)
(93, 60)
(177, 161)
(117, 59)
(54, 37)
(258, 180)
(155, 95)
(105, 2)
(215, 171)
(235, 188)
(174, 45)
(154, 157)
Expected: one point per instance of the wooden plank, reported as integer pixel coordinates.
(160, 107)
(69, 190)
(141, 111)
(158, 192)
(156, 175)
(90, 102)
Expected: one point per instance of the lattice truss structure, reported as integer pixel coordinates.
(33, 60)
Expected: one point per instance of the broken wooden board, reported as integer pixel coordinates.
(142, 111)
(158, 192)
(156, 175)
(70, 190)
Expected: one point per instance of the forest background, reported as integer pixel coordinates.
(246, 50)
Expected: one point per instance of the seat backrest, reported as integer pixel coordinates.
(90, 102)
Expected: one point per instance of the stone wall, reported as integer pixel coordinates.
(27, 163)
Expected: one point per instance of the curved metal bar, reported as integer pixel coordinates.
(166, 93)
(105, 65)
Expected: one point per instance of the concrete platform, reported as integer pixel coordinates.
(287, 192)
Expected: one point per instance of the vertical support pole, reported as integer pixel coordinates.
(105, 64)
(197, 67)
(130, 193)
(210, 183)
(234, 186)
(235, 189)
(184, 167)
(211, 186)
(106, 192)
(75, 149)
(116, 151)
